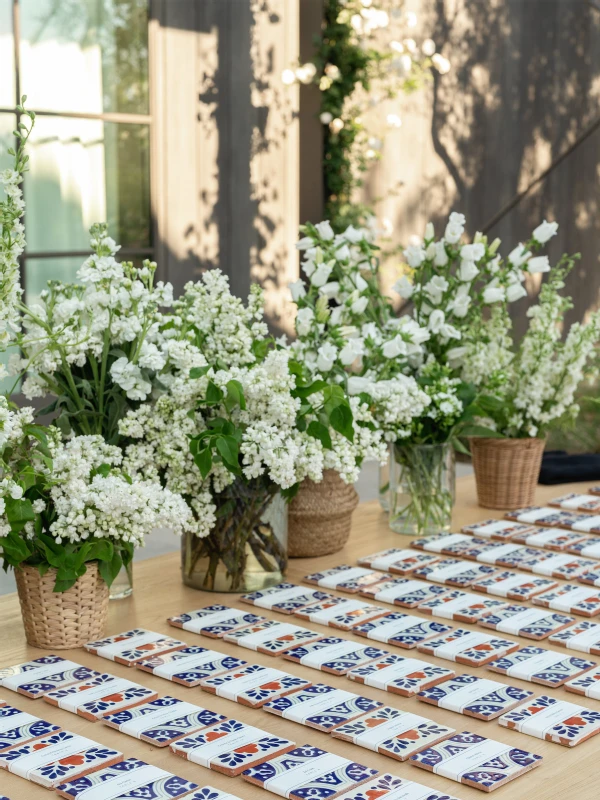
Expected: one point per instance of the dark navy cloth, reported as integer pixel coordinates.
(560, 467)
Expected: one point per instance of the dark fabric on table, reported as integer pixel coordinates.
(560, 467)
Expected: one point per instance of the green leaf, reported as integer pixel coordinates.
(341, 420)
(291, 492)
(203, 460)
(103, 469)
(213, 394)
(306, 391)
(19, 512)
(198, 372)
(235, 396)
(319, 431)
(229, 452)
(480, 430)
(110, 569)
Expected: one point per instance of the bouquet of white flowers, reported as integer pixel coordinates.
(257, 426)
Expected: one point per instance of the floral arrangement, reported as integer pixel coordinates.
(525, 388)
(66, 504)
(365, 56)
(240, 422)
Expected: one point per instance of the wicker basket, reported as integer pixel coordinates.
(62, 620)
(506, 471)
(320, 516)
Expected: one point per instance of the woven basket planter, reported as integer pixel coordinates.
(62, 620)
(320, 516)
(506, 471)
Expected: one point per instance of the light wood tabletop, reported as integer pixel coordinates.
(159, 593)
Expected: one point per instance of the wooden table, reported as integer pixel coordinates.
(159, 593)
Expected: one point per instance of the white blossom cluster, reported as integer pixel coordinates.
(115, 307)
(88, 504)
(271, 442)
(12, 244)
(13, 437)
(534, 383)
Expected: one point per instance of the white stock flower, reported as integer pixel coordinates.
(356, 384)
(394, 347)
(435, 288)
(436, 321)
(518, 256)
(326, 355)
(440, 258)
(321, 274)
(538, 264)
(359, 305)
(414, 255)
(493, 294)
(403, 287)
(325, 230)
(545, 231)
(467, 271)
(455, 228)
(472, 252)
(129, 377)
(353, 235)
(297, 289)
(304, 320)
(353, 349)
(515, 291)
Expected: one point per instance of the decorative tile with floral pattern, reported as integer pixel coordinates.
(401, 630)
(455, 572)
(340, 612)
(531, 623)
(587, 684)
(308, 772)
(190, 665)
(346, 578)
(321, 706)
(131, 646)
(271, 637)
(581, 600)
(577, 502)
(500, 530)
(405, 592)
(334, 655)
(397, 561)
(513, 585)
(584, 637)
(472, 648)
(129, 780)
(285, 598)
(474, 697)
(476, 761)
(214, 621)
(99, 696)
(254, 685)
(398, 675)
(35, 678)
(389, 787)
(554, 720)
(231, 747)
(538, 665)
(18, 727)
(461, 606)
(393, 733)
(562, 565)
(544, 517)
(550, 538)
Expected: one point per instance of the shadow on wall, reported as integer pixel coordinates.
(243, 116)
(522, 92)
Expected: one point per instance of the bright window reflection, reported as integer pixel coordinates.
(86, 56)
(85, 171)
(7, 65)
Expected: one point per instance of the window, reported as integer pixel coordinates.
(83, 65)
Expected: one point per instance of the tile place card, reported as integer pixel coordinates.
(472, 648)
(393, 733)
(461, 606)
(590, 577)
(471, 759)
(587, 684)
(554, 720)
(190, 665)
(563, 565)
(541, 666)
(308, 772)
(131, 646)
(284, 598)
(584, 522)
(474, 697)
(254, 685)
(18, 727)
(333, 655)
(214, 621)
(513, 585)
(453, 572)
(51, 760)
(583, 636)
(398, 675)
(500, 530)
(35, 678)
(531, 623)
(162, 721)
(389, 787)
(397, 561)
(98, 696)
(577, 502)
(543, 516)
(403, 592)
(231, 747)
(210, 793)
(345, 578)
(550, 538)
(322, 707)
(445, 543)
(511, 555)
(588, 547)
(271, 637)
(127, 779)
(339, 612)
(581, 600)
(401, 630)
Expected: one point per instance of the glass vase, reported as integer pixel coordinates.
(247, 548)
(422, 488)
(122, 586)
(384, 481)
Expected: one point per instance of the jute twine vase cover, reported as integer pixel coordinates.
(506, 471)
(62, 620)
(320, 516)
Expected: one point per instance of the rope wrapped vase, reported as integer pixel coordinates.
(62, 620)
(506, 471)
(320, 516)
